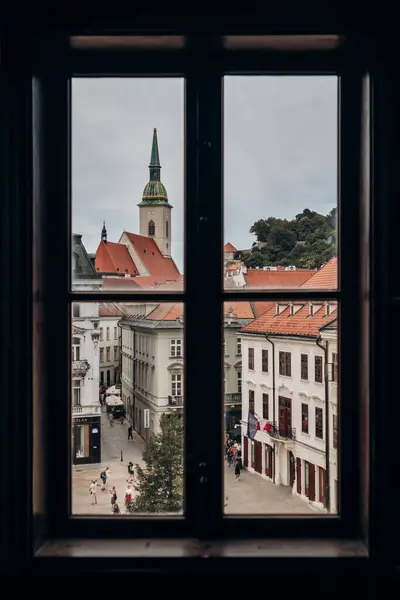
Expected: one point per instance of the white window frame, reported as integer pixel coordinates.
(176, 384)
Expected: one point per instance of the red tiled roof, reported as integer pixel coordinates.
(149, 253)
(229, 247)
(168, 311)
(242, 310)
(261, 307)
(114, 258)
(150, 282)
(120, 283)
(301, 323)
(325, 278)
(110, 309)
(258, 278)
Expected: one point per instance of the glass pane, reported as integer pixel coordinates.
(127, 395)
(278, 412)
(127, 183)
(280, 181)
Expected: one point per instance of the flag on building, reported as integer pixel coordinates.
(252, 425)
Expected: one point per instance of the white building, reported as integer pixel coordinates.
(289, 358)
(234, 270)
(153, 362)
(86, 438)
(110, 342)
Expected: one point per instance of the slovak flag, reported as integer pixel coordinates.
(267, 427)
(258, 426)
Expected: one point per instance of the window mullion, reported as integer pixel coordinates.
(203, 272)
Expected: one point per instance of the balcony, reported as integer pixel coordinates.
(85, 410)
(80, 368)
(279, 432)
(175, 400)
(233, 399)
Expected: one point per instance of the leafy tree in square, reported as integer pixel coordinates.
(160, 483)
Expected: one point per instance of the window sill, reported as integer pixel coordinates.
(190, 548)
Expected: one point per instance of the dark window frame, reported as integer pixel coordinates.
(50, 100)
(251, 359)
(304, 367)
(305, 429)
(264, 360)
(285, 363)
(252, 401)
(318, 369)
(319, 423)
(265, 404)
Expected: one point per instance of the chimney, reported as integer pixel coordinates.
(311, 309)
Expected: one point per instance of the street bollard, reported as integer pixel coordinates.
(122, 457)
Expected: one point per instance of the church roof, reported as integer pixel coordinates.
(149, 253)
(114, 258)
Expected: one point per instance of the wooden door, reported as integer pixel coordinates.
(268, 460)
(285, 416)
(321, 485)
(245, 452)
(258, 457)
(298, 462)
(292, 467)
(311, 487)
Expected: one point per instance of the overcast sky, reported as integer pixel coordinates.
(280, 151)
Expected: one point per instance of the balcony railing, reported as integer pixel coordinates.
(233, 398)
(175, 400)
(89, 409)
(279, 431)
(80, 367)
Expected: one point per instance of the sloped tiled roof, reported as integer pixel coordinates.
(149, 253)
(325, 278)
(110, 309)
(120, 283)
(168, 311)
(262, 307)
(258, 278)
(159, 283)
(229, 247)
(114, 258)
(300, 324)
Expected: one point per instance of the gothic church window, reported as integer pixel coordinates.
(152, 228)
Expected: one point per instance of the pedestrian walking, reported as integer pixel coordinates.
(107, 471)
(237, 470)
(114, 496)
(130, 436)
(103, 477)
(128, 495)
(110, 418)
(92, 491)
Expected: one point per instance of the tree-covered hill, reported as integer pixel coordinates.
(307, 241)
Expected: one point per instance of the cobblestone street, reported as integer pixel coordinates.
(113, 440)
(254, 495)
(250, 495)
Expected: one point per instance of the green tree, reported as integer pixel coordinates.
(282, 239)
(160, 483)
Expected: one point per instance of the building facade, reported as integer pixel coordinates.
(153, 363)
(86, 410)
(289, 398)
(110, 314)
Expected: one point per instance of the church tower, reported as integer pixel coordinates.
(154, 209)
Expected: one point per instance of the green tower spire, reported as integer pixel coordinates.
(155, 158)
(154, 191)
